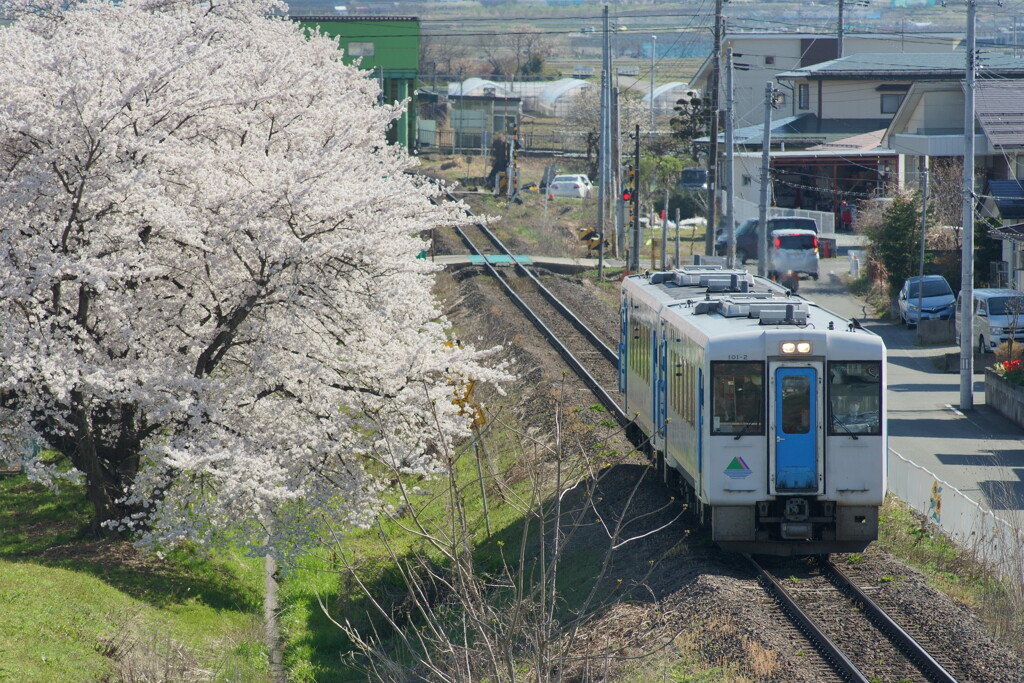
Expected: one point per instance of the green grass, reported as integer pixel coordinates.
(74, 611)
(952, 570)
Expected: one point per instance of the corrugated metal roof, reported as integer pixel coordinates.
(1009, 197)
(999, 108)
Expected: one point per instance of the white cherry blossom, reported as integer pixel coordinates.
(210, 299)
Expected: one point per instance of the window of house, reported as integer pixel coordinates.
(891, 102)
(360, 49)
(769, 59)
(803, 96)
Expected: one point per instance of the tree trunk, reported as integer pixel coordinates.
(271, 636)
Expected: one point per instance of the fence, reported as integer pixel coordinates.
(450, 142)
(993, 540)
(745, 210)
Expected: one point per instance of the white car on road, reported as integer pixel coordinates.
(576, 186)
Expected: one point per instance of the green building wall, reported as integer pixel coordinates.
(389, 47)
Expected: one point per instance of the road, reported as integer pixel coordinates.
(977, 451)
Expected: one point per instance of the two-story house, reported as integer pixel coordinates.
(859, 95)
(766, 55)
(930, 125)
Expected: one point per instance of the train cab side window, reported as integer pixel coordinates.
(855, 397)
(737, 399)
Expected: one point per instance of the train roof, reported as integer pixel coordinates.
(720, 300)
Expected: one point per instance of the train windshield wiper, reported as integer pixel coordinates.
(756, 423)
(836, 420)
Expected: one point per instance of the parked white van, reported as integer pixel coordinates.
(998, 313)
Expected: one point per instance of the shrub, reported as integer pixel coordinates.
(1010, 370)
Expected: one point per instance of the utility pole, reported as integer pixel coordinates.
(923, 167)
(762, 207)
(709, 237)
(604, 145)
(730, 203)
(967, 219)
(620, 231)
(602, 180)
(839, 32)
(654, 51)
(634, 257)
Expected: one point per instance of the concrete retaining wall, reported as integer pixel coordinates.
(997, 541)
(935, 332)
(1004, 397)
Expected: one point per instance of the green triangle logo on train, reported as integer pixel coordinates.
(737, 469)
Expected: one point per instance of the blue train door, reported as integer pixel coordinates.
(661, 393)
(796, 430)
(623, 343)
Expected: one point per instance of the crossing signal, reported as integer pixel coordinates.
(629, 192)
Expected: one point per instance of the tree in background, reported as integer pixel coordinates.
(519, 52)
(659, 176)
(691, 121)
(894, 241)
(444, 55)
(584, 117)
(212, 305)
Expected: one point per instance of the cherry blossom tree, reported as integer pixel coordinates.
(210, 301)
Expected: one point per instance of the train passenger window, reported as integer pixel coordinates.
(737, 400)
(855, 397)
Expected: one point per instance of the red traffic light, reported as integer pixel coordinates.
(627, 195)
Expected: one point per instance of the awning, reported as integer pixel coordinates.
(1008, 196)
(1010, 233)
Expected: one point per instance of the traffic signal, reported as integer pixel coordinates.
(627, 194)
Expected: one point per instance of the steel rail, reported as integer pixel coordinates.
(603, 396)
(902, 640)
(598, 343)
(828, 649)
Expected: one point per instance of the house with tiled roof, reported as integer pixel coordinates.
(860, 95)
(765, 55)
(930, 125)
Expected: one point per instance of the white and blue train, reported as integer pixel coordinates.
(766, 410)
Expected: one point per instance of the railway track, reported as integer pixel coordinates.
(852, 638)
(854, 635)
(593, 360)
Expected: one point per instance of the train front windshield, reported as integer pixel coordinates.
(738, 397)
(855, 397)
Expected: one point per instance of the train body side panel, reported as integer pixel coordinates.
(684, 362)
(640, 313)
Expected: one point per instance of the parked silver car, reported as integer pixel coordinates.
(935, 295)
(793, 253)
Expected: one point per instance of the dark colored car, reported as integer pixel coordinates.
(746, 235)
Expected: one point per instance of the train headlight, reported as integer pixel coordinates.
(790, 348)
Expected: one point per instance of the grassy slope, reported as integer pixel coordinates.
(75, 609)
